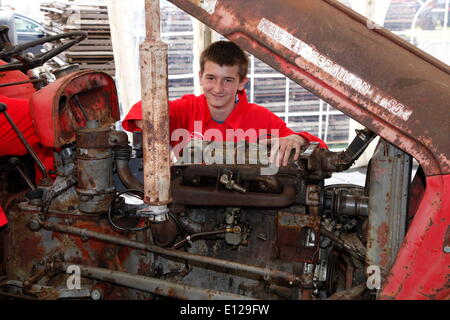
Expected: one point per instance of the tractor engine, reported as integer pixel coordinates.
(231, 232)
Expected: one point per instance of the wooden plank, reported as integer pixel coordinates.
(89, 53)
(95, 52)
(93, 22)
(84, 48)
(93, 42)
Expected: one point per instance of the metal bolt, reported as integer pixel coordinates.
(447, 249)
(155, 214)
(34, 225)
(84, 198)
(262, 236)
(96, 294)
(236, 229)
(83, 235)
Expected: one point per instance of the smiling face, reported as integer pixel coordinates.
(220, 85)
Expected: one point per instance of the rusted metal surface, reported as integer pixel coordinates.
(94, 160)
(294, 235)
(26, 251)
(259, 250)
(382, 82)
(353, 247)
(212, 196)
(87, 234)
(66, 105)
(165, 233)
(349, 294)
(39, 292)
(36, 277)
(153, 285)
(193, 175)
(21, 248)
(390, 172)
(155, 110)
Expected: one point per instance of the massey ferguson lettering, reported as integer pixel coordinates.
(337, 71)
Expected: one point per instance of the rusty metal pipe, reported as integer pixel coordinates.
(209, 196)
(230, 265)
(153, 285)
(164, 234)
(155, 114)
(16, 163)
(122, 153)
(127, 178)
(335, 238)
(35, 278)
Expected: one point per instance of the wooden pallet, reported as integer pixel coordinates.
(96, 51)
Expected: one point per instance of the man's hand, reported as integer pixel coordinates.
(294, 141)
(284, 148)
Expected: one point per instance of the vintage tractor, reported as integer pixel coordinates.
(83, 229)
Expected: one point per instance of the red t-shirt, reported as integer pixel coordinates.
(247, 120)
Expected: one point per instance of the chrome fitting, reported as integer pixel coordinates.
(155, 214)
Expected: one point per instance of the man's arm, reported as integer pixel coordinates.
(179, 110)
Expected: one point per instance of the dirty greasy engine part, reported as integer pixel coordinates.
(280, 239)
(94, 158)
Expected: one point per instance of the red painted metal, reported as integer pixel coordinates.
(376, 78)
(57, 114)
(23, 91)
(422, 268)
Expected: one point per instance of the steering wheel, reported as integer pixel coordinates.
(25, 63)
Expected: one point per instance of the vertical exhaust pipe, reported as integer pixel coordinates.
(155, 116)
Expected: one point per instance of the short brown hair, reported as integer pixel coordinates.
(225, 53)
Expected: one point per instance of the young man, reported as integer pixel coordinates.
(224, 105)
